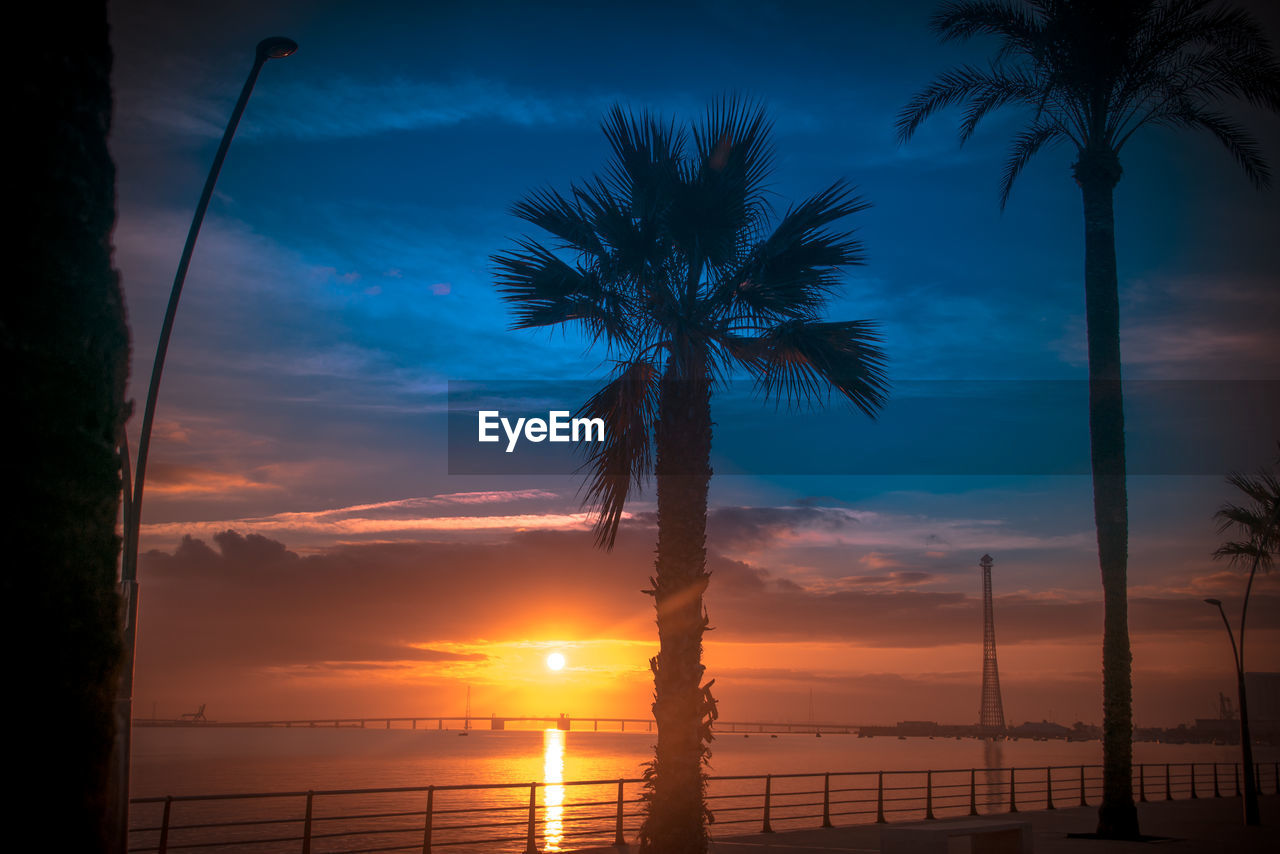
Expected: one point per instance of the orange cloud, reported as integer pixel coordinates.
(188, 481)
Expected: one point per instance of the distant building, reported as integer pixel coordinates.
(1043, 729)
(917, 728)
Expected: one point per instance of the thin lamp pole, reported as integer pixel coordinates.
(1251, 816)
(275, 47)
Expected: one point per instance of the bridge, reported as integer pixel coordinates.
(496, 722)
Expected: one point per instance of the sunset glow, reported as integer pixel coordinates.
(307, 547)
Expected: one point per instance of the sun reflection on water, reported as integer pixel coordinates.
(553, 793)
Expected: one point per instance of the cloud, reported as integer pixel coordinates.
(403, 517)
(344, 107)
(178, 481)
(358, 602)
(1187, 326)
(243, 608)
(746, 530)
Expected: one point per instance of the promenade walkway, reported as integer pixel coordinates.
(1204, 826)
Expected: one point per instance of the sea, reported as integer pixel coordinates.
(185, 761)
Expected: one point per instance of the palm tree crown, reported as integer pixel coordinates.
(1257, 520)
(1095, 71)
(675, 269)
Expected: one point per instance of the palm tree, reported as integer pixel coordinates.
(1091, 73)
(1258, 521)
(669, 260)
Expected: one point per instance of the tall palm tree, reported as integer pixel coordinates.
(673, 260)
(1258, 521)
(1091, 73)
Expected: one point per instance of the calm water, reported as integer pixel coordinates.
(199, 761)
(187, 760)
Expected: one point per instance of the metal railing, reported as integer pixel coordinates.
(536, 817)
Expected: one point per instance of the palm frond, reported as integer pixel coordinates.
(628, 405)
(800, 362)
(722, 195)
(561, 217)
(1005, 87)
(1244, 148)
(956, 86)
(1026, 144)
(1099, 72)
(964, 20)
(1257, 520)
(646, 164)
(545, 290)
(791, 272)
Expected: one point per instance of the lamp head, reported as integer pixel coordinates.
(276, 47)
(1217, 603)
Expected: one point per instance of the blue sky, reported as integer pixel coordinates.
(343, 279)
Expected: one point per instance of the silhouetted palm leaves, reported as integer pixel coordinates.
(669, 260)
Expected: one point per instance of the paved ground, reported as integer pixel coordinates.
(1205, 826)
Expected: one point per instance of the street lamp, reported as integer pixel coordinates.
(1246, 743)
(276, 47)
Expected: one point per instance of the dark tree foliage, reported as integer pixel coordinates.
(673, 260)
(65, 353)
(1090, 74)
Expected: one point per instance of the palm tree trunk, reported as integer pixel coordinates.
(64, 345)
(675, 820)
(1097, 172)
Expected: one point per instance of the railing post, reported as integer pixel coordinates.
(1168, 784)
(1194, 796)
(1235, 772)
(163, 847)
(306, 826)
(928, 795)
(1217, 793)
(426, 828)
(618, 839)
(880, 797)
(1257, 777)
(1048, 785)
(768, 794)
(1084, 801)
(1013, 791)
(1142, 783)
(826, 800)
(531, 842)
(973, 791)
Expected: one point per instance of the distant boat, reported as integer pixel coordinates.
(464, 732)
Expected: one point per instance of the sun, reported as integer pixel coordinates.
(555, 661)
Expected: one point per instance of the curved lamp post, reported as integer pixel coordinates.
(1246, 743)
(275, 47)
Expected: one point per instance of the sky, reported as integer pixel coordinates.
(317, 543)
